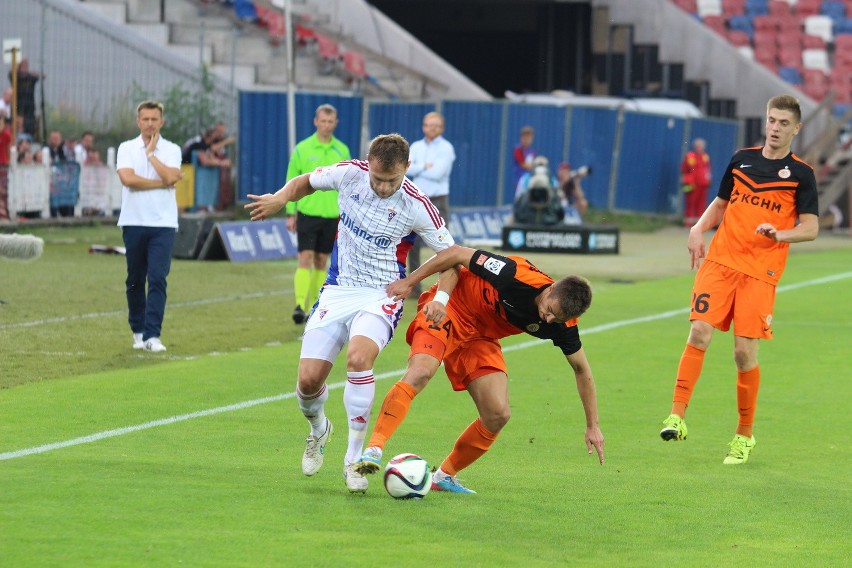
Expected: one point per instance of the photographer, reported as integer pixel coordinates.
(569, 184)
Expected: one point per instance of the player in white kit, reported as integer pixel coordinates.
(381, 213)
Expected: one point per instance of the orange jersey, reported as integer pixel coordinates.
(759, 190)
(496, 299)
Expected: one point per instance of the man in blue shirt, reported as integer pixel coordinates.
(432, 160)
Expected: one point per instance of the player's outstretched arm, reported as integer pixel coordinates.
(589, 398)
(266, 205)
(447, 258)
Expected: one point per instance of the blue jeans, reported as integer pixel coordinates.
(149, 256)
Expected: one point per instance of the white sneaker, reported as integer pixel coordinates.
(355, 482)
(315, 450)
(153, 345)
(137, 341)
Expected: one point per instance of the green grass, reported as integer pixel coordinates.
(225, 488)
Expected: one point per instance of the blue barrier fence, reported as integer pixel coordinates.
(634, 157)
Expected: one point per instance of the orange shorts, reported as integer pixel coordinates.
(465, 359)
(721, 294)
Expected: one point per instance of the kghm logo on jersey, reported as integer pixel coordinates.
(754, 199)
(391, 214)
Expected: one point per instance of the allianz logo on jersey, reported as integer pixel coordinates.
(380, 241)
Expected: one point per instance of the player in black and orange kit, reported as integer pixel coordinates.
(495, 297)
(767, 200)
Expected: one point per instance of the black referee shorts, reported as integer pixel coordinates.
(315, 233)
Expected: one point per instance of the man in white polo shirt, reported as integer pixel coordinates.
(148, 167)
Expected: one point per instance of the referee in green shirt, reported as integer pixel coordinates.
(314, 217)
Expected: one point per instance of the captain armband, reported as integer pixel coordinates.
(442, 297)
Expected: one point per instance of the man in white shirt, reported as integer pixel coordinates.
(148, 167)
(381, 213)
(432, 160)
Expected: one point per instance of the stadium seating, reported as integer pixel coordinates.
(808, 43)
(709, 8)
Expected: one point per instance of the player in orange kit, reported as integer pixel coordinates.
(495, 297)
(767, 200)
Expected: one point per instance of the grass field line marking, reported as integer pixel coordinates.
(114, 313)
(390, 374)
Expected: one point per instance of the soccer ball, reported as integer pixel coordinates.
(407, 476)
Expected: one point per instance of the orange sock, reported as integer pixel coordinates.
(473, 442)
(748, 383)
(393, 412)
(688, 372)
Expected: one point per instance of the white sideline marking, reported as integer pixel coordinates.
(114, 313)
(397, 373)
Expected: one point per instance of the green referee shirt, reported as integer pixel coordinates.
(309, 155)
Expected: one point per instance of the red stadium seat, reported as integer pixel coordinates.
(327, 47)
(687, 6)
(807, 7)
(738, 38)
(733, 7)
(779, 8)
(790, 57)
(354, 64)
(812, 42)
(789, 23)
(717, 24)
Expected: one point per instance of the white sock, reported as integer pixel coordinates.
(358, 395)
(313, 407)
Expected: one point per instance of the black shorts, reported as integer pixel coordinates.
(315, 233)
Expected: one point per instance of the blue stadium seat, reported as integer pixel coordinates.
(757, 7)
(843, 26)
(742, 24)
(833, 9)
(790, 75)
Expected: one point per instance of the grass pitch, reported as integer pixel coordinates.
(110, 457)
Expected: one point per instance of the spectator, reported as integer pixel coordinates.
(68, 148)
(25, 149)
(524, 153)
(26, 96)
(93, 158)
(148, 167)
(54, 144)
(569, 184)
(695, 179)
(6, 103)
(204, 152)
(221, 141)
(86, 145)
(432, 160)
(5, 146)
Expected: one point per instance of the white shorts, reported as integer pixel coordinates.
(344, 311)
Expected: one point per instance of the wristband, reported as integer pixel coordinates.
(149, 154)
(441, 297)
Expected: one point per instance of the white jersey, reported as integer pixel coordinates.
(374, 234)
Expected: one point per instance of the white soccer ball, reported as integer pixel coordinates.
(408, 476)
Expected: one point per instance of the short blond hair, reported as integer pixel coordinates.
(149, 105)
